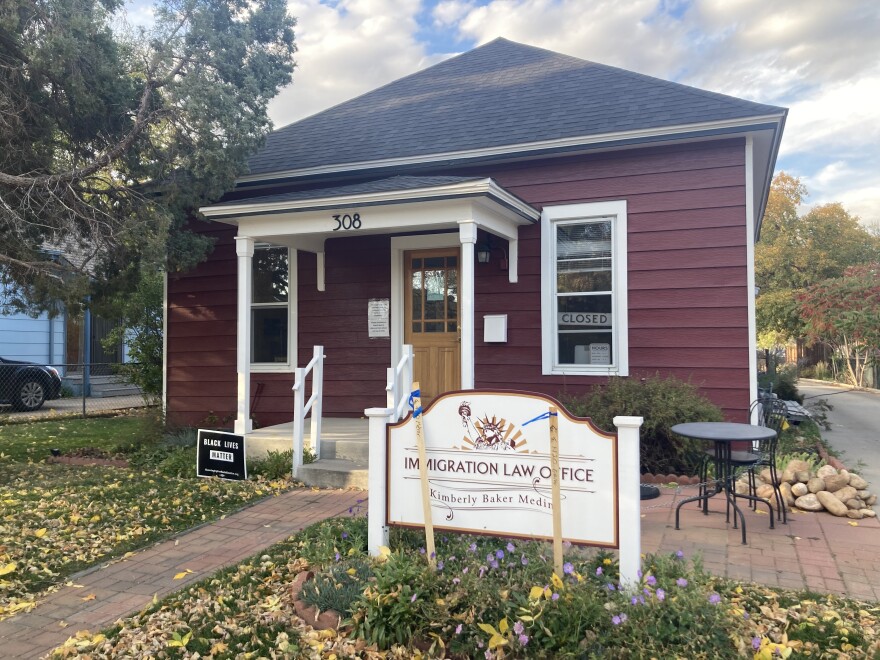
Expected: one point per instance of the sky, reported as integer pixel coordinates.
(818, 58)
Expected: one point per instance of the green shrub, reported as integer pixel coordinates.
(783, 383)
(339, 587)
(663, 403)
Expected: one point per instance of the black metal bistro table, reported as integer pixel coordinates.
(723, 435)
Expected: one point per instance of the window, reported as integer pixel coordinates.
(270, 307)
(584, 303)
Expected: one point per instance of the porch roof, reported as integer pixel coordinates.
(392, 190)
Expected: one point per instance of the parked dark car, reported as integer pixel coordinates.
(27, 385)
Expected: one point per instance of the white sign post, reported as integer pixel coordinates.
(488, 465)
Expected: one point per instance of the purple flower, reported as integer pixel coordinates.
(499, 554)
(554, 597)
(598, 570)
(634, 600)
(623, 617)
(681, 582)
(523, 640)
(524, 560)
(651, 580)
(714, 598)
(338, 556)
(511, 547)
(679, 554)
(489, 557)
(610, 587)
(615, 620)
(489, 655)
(421, 551)
(472, 547)
(756, 643)
(567, 568)
(458, 629)
(455, 580)
(518, 628)
(465, 570)
(483, 570)
(661, 595)
(493, 563)
(345, 535)
(440, 565)
(452, 558)
(413, 599)
(639, 574)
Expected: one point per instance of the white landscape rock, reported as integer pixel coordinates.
(808, 502)
(833, 505)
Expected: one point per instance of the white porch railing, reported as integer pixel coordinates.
(399, 385)
(312, 406)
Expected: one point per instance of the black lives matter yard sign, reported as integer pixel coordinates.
(220, 454)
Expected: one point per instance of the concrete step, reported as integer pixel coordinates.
(334, 473)
(353, 450)
(119, 390)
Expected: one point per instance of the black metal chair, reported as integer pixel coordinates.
(771, 413)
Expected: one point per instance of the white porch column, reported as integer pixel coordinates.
(244, 248)
(467, 235)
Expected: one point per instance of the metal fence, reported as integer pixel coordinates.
(46, 390)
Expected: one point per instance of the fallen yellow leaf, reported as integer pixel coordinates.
(182, 574)
(40, 533)
(89, 597)
(853, 523)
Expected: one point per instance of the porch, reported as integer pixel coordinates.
(344, 451)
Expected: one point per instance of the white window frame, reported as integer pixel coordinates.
(550, 217)
(279, 367)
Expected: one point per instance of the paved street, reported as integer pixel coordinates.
(855, 425)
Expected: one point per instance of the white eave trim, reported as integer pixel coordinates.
(464, 189)
(562, 143)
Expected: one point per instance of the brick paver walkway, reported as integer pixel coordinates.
(814, 550)
(127, 586)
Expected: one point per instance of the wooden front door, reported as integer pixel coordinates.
(432, 320)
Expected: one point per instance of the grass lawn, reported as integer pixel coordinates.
(33, 440)
(489, 598)
(58, 519)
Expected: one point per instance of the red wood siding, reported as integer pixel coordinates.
(686, 268)
(201, 335)
(687, 291)
(357, 269)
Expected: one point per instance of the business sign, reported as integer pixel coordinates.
(220, 454)
(488, 469)
(584, 319)
(600, 353)
(377, 318)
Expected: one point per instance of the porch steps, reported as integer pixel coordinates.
(335, 473)
(344, 451)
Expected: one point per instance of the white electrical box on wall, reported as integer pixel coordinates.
(495, 328)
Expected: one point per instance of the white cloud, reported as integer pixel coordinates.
(449, 12)
(346, 49)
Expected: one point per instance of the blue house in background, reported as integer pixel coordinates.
(41, 339)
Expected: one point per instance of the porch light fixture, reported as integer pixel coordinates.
(484, 253)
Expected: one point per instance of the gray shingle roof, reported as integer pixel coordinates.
(502, 93)
(394, 183)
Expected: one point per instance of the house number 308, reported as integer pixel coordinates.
(347, 221)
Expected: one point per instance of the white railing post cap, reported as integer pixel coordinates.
(628, 422)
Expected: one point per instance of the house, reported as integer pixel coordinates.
(524, 219)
